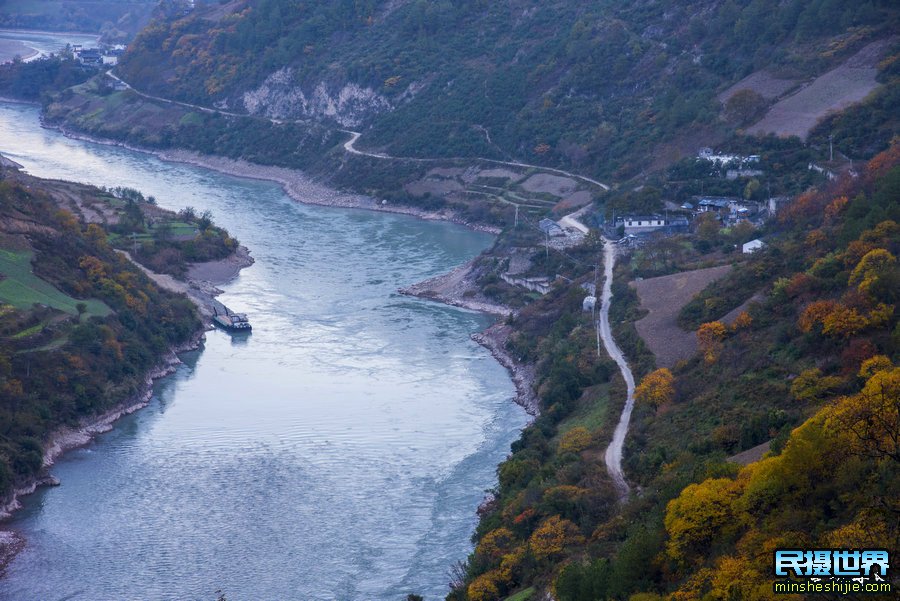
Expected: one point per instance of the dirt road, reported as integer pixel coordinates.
(613, 455)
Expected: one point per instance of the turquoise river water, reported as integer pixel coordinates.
(339, 452)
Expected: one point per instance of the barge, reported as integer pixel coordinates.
(228, 320)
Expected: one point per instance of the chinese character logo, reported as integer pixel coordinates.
(841, 563)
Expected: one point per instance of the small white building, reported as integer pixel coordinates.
(638, 224)
(110, 60)
(753, 246)
(588, 304)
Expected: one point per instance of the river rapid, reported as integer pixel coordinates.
(338, 452)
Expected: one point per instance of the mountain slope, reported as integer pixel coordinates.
(563, 83)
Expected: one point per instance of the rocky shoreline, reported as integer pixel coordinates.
(68, 438)
(459, 288)
(201, 289)
(523, 375)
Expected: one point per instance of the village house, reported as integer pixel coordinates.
(89, 57)
(639, 224)
(551, 228)
(717, 204)
(753, 246)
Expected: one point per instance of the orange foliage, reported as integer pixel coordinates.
(93, 267)
(798, 284)
(742, 321)
(553, 536)
(855, 251)
(815, 313)
(709, 337)
(485, 587)
(883, 162)
(495, 544)
(844, 322)
(835, 207)
(815, 239)
(657, 388)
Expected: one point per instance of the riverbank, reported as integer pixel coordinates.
(523, 375)
(296, 184)
(459, 288)
(10, 49)
(68, 438)
(200, 288)
(203, 279)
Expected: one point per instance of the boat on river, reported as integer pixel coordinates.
(229, 320)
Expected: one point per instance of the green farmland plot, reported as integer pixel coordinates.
(21, 288)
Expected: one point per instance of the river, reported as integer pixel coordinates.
(338, 452)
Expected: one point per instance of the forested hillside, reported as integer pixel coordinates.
(810, 371)
(608, 88)
(80, 325)
(115, 19)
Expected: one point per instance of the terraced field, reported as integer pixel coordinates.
(22, 289)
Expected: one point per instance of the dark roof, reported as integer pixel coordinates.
(548, 224)
(640, 218)
(719, 203)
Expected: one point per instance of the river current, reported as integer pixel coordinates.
(338, 452)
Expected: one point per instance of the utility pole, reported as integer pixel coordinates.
(596, 296)
(831, 147)
(517, 216)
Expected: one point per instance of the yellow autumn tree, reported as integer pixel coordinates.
(553, 536)
(485, 587)
(495, 544)
(575, 440)
(510, 566)
(867, 530)
(873, 365)
(709, 337)
(815, 313)
(698, 515)
(873, 265)
(657, 388)
(871, 418)
(844, 322)
(811, 385)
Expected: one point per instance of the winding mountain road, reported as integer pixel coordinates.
(613, 455)
(196, 107)
(350, 145)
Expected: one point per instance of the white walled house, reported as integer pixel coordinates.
(753, 246)
(638, 224)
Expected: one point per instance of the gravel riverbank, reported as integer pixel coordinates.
(460, 289)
